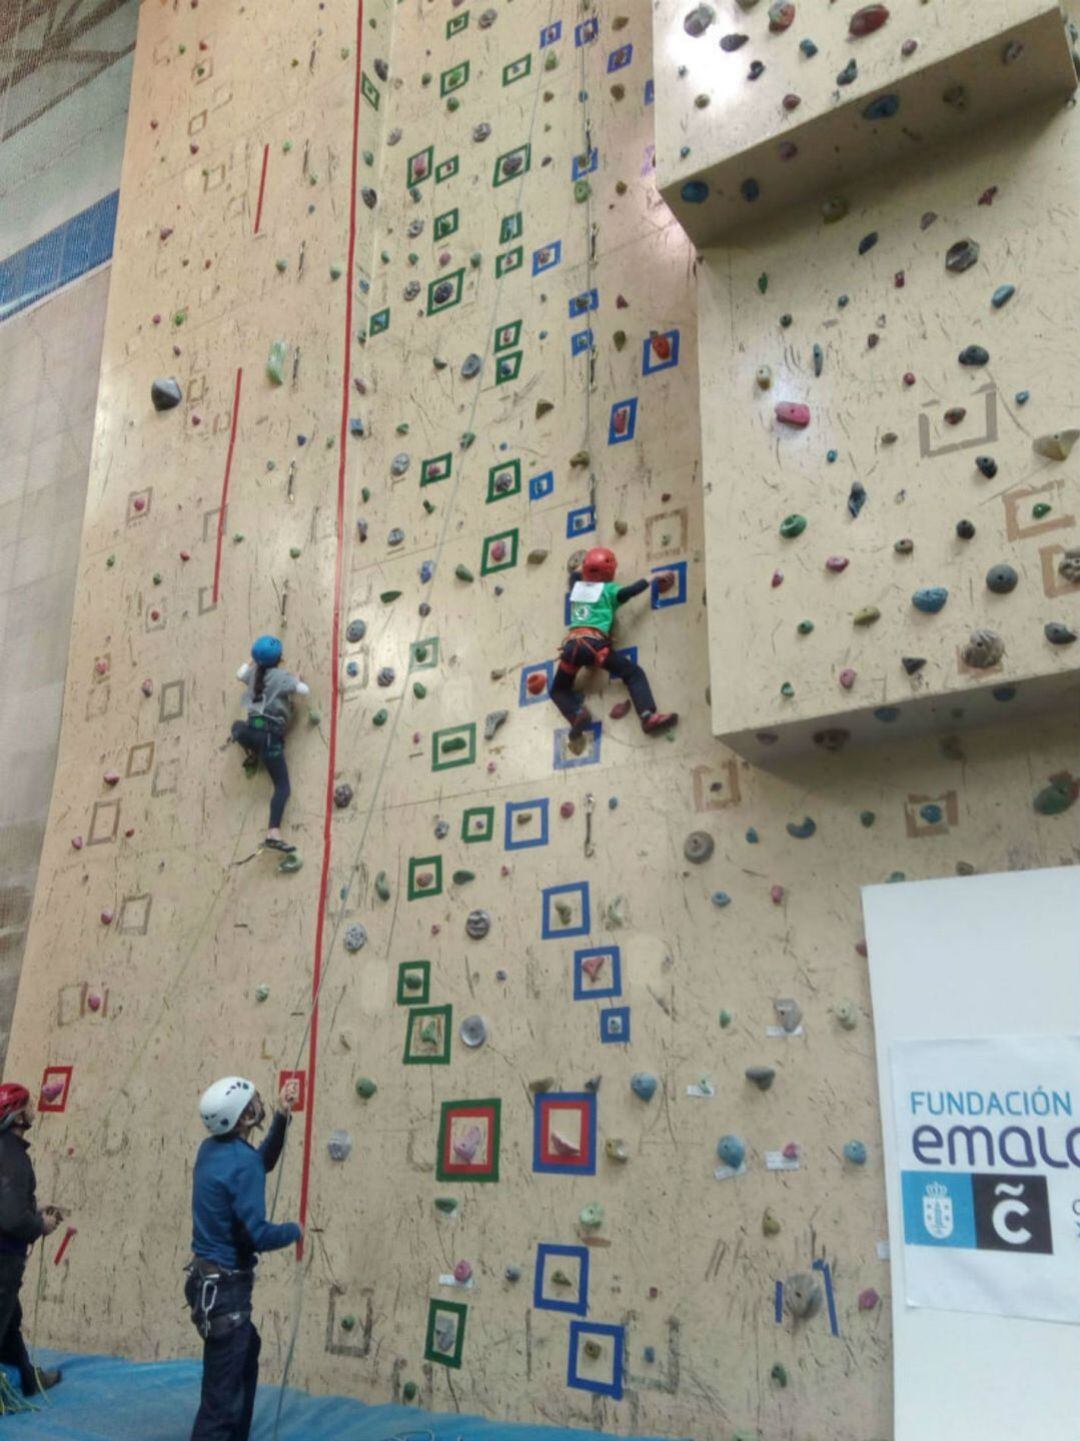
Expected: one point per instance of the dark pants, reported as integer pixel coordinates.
(230, 1367)
(12, 1347)
(582, 651)
(268, 745)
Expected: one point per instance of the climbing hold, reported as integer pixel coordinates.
(837, 564)
(111, 778)
(965, 530)
(1001, 579)
(463, 1272)
(931, 812)
(477, 924)
(750, 189)
(355, 938)
(908, 49)
(866, 616)
(855, 1152)
(761, 1076)
(789, 1014)
(834, 209)
(1057, 633)
(781, 16)
(867, 20)
(720, 899)
(365, 1087)
(1057, 797)
(930, 599)
(818, 359)
(536, 683)
(1057, 446)
(513, 1273)
(698, 847)
(400, 463)
(493, 721)
(803, 1295)
(756, 71)
(1069, 565)
(779, 1371)
(733, 42)
(1040, 509)
(954, 415)
(803, 830)
(770, 1226)
(956, 96)
(343, 794)
(732, 1151)
(961, 255)
(446, 1205)
(805, 627)
(695, 192)
(856, 497)
(348, 1323)
(463, 573)
(473, 1031)
(846, 1015)
(616, 1150)
(974, 355)
(290, 863)
(355, 630)
(763, 376)
(725, 1020)
(849, 74)
(904, 546)
(165, 394)
(385, 676)
(847, 678)
(339, 1145)
(1002, 295)
(1022, 397)
(793, 413)
(643, 1084)
(984, 649)
(808, 48)
(884, 107)
(785, 321)
(986, 465)
(591, 1215)
(470, 366)
(791, 101)
(868, 1299)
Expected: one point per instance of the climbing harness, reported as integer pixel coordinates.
(219, 1300)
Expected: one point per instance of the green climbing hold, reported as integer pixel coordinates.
(110, 561)
(1058, 796)
(446, 1205)
(294, 551)
(785, 321)
(805, 627)
(866, 616)
(592, 1215)
(619, 339)
(725, 1020)
(262, 993)
(895, 878)
(787, 690)
(348, 1323)
(452, 103)
(365, 493)
(763, 282)
(336, 270)
(387, 596)
(238, 536)
(1041, 509)
(792, 525)
(157, 577)
(382, 886)
(178, 318)
(287, 146)
(419, 689)
(410, 1391)
(476, 259)
(290, 863)
(429, 507)
(462, 878)
(868, 818)
(402, 427)
(455, 743)
(379, 718)
(365, 1087)
(369, 157)
(582, 190)
(552, 60)
(560, 1278)
(463, 572)
(314, 716)
(467, 438)
(281, 263)
(779, 1374)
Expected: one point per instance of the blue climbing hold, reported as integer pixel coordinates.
(803, 830)
(868, 242)
(732, 1151)
(752, 836)
(855, 1152)
(883, 108)
(352, 668)
(930, 599)
(1023, 396)
(750, 189)
(356, 427)
(1002, 295)
(808, 48)
(856, 497)
(613, 803)
(831, 456)
(720, 899)
(427, 570)
(887, 713)
(695, 192)
(1004, 692)
(301, 440)
(848, 74)
(842, 301)
(649, 1354)
(643, 1084)
(819, 360)
(931, 813)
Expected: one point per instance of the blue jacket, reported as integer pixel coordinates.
(228, 1200)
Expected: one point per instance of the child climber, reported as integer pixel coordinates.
(594, 599)
(269, 708)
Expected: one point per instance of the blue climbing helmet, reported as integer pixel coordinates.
(266, 650)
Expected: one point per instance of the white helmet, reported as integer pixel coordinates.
(222, 1104)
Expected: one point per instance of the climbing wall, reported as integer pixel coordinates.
(588, 1131)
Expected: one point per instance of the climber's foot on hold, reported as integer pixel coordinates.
(658, 721)
(580, 724)
(275, 843)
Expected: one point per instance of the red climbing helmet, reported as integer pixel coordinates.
(599, 564)
(13, 1099)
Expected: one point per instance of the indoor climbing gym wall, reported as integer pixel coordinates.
(400, 324)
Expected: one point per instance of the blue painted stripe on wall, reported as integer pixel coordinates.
(80, 244)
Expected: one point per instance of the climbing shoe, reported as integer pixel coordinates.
(581, 723)
(276, 845)
(659, 721)
(42, 1381)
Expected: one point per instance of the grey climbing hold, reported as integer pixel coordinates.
(355, 938)
(834, 209)
(165, 394)
(788, 1013)
(1058, 445)
(856, 499)
(984, 649)
(411, 291)
(818, 359)
(846, 1015)
(487, 18)
(698, 847)
(1001, 579)
(400, 463)
(803, 1295)
(512, 1273)
(369, 197)
(442, 829)
(974, 355)
(730, 43)
(965, 530)
(396, 536)
(470, 366)
(481, 131)
(262, 993)
(808, 48)
(930, 599)
(493, 721)
(761, 1076)
(883, 107)
(961, 255)
(339, 1145)
(732, 1151)
(644, 1084)
(1057, 633)
(477, 924)
(382, 70)
(385, 675)
(803, 830)
(473, 1031)
(343, 794)
(442, 292)
(699, 20)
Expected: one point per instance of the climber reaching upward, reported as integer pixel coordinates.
(594, 599)
(269, 708)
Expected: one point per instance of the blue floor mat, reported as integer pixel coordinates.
(104, 1398)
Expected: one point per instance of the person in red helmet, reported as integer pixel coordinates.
(21, 1224)
(594, 599)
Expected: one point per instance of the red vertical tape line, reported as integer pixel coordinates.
(262, 188)
(64, 1244)
(225, 484)
(335, 641)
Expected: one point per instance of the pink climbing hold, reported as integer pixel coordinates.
(790, 412)
(111, 777)
(139, 503)
(76, 843)
(465, 1146)
(777, 894)
(155, 615)
(987, 197)
(52, 1090)
(165, 232)
(155, 319)
(566, 810)
(847, 678)
(619, 709)
(101, 666)
(416, 738)
(129, 832)
(93, 1000)
(792, 1151)
(185, 555)
(419, 169)
(196, 420)
(425, 879)
(909, 377)
(462, 1272)
(777, 578)
(504, 870)
(837, 563)
(561, 1146)
(498, 550)
(436, 928)
(787, 150)
(106, 918)
(147, 687)
(491, 768)
(592, 966)
(868, 1299)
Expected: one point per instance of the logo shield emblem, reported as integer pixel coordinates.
(937, 1211)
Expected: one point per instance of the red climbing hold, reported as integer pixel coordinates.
(94, 1001)
(621, 421)
(837, 563)
(155, 615)
(566, 810)
(791, 101)
(954, 415)
(139, 503)
(847, 678)
(111, 777)
(899, 280)
(790, 412)
(867, 20)
(619, 709)
(909, 377)
(106, 918)
(621, 302)
(777, 578)
(868, 1299)
(661, 347)
(781, 16)
(987, 197)
(147, 687)
(76, 843)
(498, 550)
(536, 683)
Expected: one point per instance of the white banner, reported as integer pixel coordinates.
(988, 1150)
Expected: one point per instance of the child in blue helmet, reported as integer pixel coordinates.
(269, 707)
